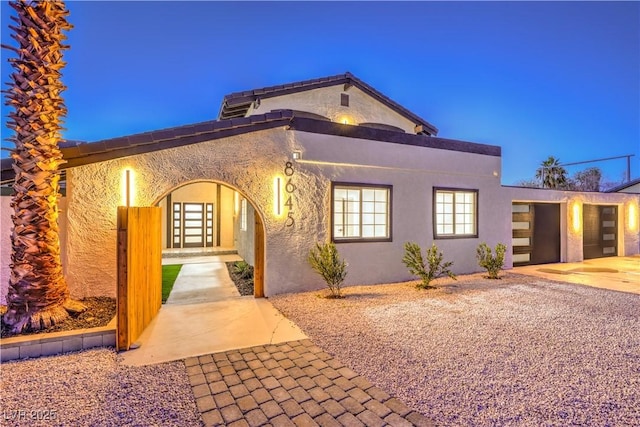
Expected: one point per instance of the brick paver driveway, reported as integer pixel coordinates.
(290, 384)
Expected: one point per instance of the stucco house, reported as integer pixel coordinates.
(287, 166)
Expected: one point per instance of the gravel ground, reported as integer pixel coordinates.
(90, 388)
(517, 351)
(244, 285)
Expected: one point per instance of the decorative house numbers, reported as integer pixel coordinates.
(289, 189)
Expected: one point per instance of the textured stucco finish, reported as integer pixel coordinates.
(249, 163)
(326, 102)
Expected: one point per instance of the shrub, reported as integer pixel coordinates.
(492, 263)
(243, 270)
(325, 260)
(433, 268)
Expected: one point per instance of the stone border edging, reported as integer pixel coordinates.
(29, 346)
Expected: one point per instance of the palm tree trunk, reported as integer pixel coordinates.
(38, 295)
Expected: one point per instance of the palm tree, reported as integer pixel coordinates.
(38, 295)
(551, 174)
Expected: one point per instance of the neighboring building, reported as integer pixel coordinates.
(333, 159)
(632, 186)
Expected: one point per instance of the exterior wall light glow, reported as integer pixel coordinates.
(127, 187)
(297, 155)
(346, 120)
(633, 217)
(577, 217)
(277, 199)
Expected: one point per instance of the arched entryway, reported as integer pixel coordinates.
(207, 217)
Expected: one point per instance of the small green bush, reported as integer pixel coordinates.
(492, 263)
(433, 268)
(325, 260)
(243, 270)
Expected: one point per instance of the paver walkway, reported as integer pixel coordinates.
(290, 384)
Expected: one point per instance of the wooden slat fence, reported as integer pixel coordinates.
(139, 271)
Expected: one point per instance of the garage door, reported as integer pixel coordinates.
(535, 233)
(600, 231)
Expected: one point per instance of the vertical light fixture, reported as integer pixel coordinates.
(276, 201)
(633, 217)
(577, 217)
(127, 187)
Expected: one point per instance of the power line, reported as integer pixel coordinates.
(627, 156)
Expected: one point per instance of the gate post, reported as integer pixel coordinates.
(122, 322)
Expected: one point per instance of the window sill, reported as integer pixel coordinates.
(360, 240)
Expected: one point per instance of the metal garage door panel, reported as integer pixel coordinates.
(600, 231)
(535, 233)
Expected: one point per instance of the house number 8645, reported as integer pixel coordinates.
(289, 188)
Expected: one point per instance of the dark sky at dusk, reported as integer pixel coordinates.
(537, 78)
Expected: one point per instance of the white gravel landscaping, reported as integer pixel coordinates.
(519, 351)
(90, 388)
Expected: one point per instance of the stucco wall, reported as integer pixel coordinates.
(5, 240)
(326, 102)
(413, 172)
(571, 236)
(250, 163)
(246, 162)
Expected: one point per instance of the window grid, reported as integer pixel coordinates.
(361, 212)
(455, 213)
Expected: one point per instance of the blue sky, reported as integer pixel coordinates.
(536, 78)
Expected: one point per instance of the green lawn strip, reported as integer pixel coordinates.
(169, 274)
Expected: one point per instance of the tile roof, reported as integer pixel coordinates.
(87, 153)
(236, 104)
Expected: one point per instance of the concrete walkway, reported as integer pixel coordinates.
(613, 273)
(205, 314)
(204, 282)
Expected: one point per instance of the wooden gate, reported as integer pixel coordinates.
(139, 271)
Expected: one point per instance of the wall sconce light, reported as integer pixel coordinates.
(632, 218)
(128, 187)
(345, 120)
(297, 155)
(577, 217)
(277, 185)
